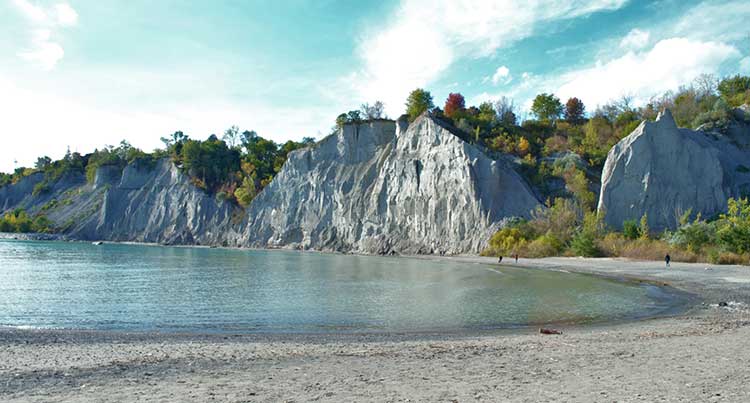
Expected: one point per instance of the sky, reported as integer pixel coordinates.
(82, 74)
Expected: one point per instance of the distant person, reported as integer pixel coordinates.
(667, 259)
(500, 259)
(516, 257)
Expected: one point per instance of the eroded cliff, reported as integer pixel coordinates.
(385, 187)
(663, 171)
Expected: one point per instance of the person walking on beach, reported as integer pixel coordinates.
(516, 257)
(500, 259)
(667, 259)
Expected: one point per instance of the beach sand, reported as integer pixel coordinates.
(703, 355)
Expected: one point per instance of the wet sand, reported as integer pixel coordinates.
(703, 355)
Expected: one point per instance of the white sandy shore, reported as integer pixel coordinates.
(701, 356)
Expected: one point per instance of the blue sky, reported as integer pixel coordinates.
(85, 73)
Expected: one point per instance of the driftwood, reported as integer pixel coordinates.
(550, 331)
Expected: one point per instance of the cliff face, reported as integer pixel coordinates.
(378, 187)
(663, 171)
(387, 187)
(154, 204)
(139, 203)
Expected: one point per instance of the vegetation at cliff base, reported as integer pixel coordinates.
(563, 228)
(20, 222)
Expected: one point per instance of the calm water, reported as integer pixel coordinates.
(126, 287)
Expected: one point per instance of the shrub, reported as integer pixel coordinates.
(546, 245)
(224, 196)
(583, 245)
(735, 90)
(650, 249)
(41, 188)
(612, 244)
(245, 193)
(507, 241)
(693, 236)
(643, 228)
(559, 219)
(19, 221)
(733, 231)
(630, 229)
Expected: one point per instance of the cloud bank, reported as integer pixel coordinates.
(43, 51)
(426, 37)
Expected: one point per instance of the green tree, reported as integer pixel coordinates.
(735, 90)
(547, 107)
(630, 229)
(418, 102)
(246, 192)
(210, 162)
(644, 229)
(42, 162)
(734, 226)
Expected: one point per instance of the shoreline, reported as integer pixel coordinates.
(680, 301)
(702, 354)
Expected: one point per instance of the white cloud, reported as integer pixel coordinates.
(425, 37)
(715, 21)
(502, 74)
(33, 13)
(635, 39)
(669, 64)
(43, 51)
(65, 15)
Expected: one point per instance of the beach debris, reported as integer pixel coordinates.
(550, 331)
(733, 306)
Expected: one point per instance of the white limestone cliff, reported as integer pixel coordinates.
(383, 187)
(663, 171)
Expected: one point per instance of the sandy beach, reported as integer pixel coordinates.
(702, 355)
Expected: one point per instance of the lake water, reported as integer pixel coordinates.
(146, 288)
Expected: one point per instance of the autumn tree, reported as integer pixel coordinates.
(547, 107)
(523, 147)
(453, 104)
(418, 102)
(574, 110)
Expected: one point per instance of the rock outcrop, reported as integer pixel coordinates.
(663, 171)
(385, 187)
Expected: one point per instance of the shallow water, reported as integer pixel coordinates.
(146, 288)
